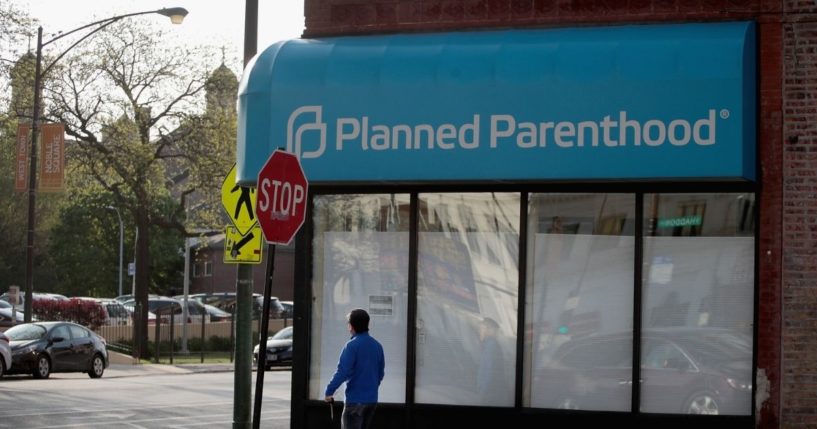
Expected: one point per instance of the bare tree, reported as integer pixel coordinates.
(134, 106)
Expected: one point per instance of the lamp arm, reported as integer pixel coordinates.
(111, 21)
(101, 21)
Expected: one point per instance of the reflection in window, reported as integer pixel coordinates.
(467, 283)
(698, 301)
(578, 351)
(360, 260)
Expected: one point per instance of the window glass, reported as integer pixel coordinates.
(467, 284)
(79, 332)
(360, 260)
(61, 332)
(579, 301)
(698, 303)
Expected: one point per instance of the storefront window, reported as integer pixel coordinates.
(360, 260)
(467, 282)
(579, 301)
(698, 303)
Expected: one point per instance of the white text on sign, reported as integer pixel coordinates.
(285, 198)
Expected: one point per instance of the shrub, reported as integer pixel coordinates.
(83, 312)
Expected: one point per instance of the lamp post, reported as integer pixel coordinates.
(121, 243)
(176, 15)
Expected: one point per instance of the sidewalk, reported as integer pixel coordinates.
(124, 366)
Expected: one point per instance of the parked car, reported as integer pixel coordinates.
(5, 354)
(128, 305)
(226, 302)
(6, 318)
(684, 370)
(163, 307)
(4, 304)
(36, 296)
(289, 309)
(279, 349)
(42, 348)
(217, 314)
(115, 312)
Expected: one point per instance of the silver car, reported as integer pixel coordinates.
(5, 354)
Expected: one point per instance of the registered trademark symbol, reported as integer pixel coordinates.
(724, 114)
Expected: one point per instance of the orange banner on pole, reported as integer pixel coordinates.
(21, 165)
(52, 158)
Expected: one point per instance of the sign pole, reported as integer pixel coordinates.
(281, 203)
(261, 367)
(242, 395)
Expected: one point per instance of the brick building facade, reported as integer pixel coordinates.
(786, 263)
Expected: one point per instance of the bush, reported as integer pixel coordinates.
(83, 312)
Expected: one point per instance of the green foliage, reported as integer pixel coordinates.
(85, 245)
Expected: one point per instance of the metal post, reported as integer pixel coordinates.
(203, 340)
(158, 322)
(242, 399)
(261, 366)
(242, 411)
(121, 243)
(172, 343)
(32, 180)
(186, 293)
(232, 336)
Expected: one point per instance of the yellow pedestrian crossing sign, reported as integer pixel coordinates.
(239, 203)
(243, 248)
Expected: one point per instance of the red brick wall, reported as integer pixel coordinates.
(799, 377)
(783, 252)
(332, 17)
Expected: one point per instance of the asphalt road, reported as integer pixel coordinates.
(168, 398)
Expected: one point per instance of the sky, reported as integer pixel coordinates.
(209, 22)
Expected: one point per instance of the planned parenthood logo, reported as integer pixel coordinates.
(308, 135)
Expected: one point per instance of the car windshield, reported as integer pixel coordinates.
(26, 332)
(283, 334)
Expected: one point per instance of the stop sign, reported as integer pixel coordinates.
(281, 197)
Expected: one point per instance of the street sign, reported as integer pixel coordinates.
(239, 203)
(131, 268)
(243, 248)
(282, 191)
(14, 295)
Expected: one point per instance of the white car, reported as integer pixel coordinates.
(5, 354)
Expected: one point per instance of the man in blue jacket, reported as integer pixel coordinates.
(361, 366)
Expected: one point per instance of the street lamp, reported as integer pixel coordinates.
(176, 15)
(121, 240)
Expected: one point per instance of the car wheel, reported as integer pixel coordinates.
(43, 367)
(97, 367)
(702, 403)
(2, 367)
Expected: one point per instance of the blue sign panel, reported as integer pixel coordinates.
(659, 102)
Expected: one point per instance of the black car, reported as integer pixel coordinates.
(279, 349)
(41, 348)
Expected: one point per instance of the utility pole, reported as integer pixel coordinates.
(242, 394)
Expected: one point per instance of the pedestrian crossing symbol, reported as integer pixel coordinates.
(239, 203)
(243, 248)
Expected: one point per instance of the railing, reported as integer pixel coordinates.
(206, 339)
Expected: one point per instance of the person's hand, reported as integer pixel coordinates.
(329, 398)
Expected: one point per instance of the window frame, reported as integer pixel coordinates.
(304, 267)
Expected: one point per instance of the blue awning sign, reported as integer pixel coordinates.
(610, 103)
